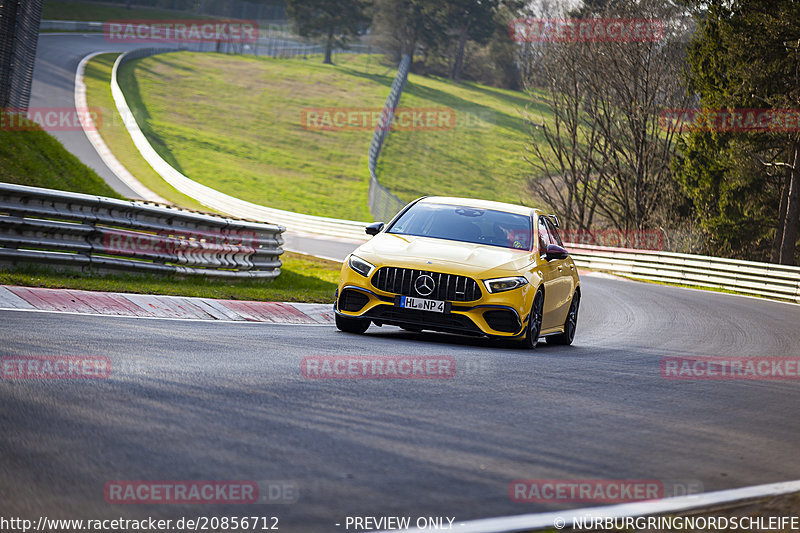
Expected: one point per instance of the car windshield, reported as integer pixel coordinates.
(466, 224)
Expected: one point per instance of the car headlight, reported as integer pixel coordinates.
(504, 284)
(360, 266)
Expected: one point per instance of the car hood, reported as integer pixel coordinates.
(416, 252)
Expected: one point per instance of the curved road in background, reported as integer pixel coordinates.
(223, 401)
(57, 58)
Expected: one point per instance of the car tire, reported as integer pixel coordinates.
(534, 321)
(352, 325)
(570, 324)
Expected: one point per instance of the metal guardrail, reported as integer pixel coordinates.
(382, 203)
(103, 234)
(747, 277)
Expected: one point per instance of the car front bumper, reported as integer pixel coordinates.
(502, 314)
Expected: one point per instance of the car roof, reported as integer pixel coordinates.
(480, 204)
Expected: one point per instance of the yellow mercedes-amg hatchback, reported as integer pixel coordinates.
(463, 266)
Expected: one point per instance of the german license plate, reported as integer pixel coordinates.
(437, 306)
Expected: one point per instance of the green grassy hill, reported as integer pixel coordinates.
(480, 157)
(234, 123)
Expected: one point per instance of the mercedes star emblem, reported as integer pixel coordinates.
(424, 285)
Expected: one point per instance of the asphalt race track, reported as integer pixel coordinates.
(220, 401)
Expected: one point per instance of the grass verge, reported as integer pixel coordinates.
(302, 279)
(34, 157)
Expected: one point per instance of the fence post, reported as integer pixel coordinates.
(383, 205)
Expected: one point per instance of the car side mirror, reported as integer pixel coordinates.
(374, 228)
(554, 251)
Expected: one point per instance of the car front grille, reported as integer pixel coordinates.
(446, 286)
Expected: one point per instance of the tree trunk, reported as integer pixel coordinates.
(462, 42)
(329, 47)
(783, 192)
(792, 212)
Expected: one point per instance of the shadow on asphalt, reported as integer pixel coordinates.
(430, 337)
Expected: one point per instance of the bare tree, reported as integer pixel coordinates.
(607, 155)
(638, 81)
(565, 142)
